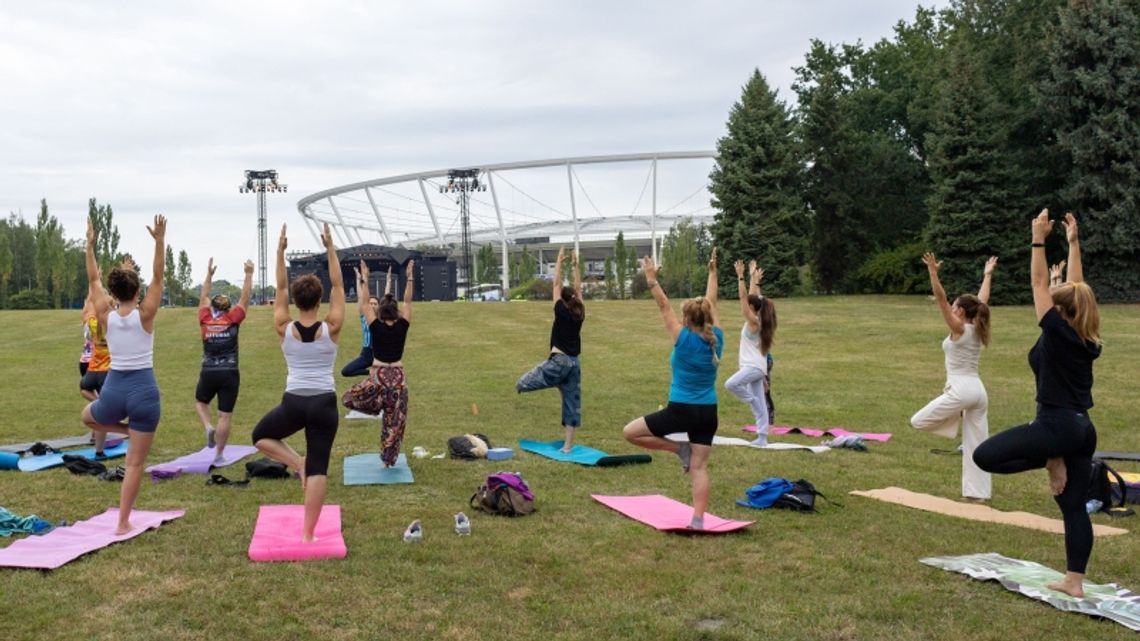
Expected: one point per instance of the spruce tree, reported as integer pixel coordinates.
(970, 213)
(1094, 93)
(755, 185)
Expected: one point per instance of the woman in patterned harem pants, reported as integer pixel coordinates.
(394, 405)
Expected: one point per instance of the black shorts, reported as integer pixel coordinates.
(317, 415)
(698, 421)
(82, 368)
(93, 381)
(222, 383)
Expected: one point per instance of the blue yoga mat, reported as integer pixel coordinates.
(366, 469)
(579, 454)
(37, 463)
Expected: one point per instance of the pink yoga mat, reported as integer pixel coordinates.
(68, 543)
(202, 461)
(831, 431)
(667, 515)
(277, 535)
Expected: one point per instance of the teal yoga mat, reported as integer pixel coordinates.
(580, 454)
(37, 463)
(366, 469)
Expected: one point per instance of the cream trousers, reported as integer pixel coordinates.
(964, 402)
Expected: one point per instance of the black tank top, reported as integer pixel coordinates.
(388, 340)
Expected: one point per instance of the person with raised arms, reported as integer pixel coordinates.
(963, 401)
(219, 323)
(562, 368)
(756, 336)
(129, 402)
(697, 346)
(1061, 438)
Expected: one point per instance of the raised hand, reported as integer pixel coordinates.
(1070, 224)
(326, 237)
(990, 264)
(712, 261)
(128, 263)
(739, 265)
(362, 272)
(159, 231)
(651, 270)
(932, 263)
(1042, 226)
(248, 266)
(410, 272)
(1056, 271)
(282, 242)
(91, 235)
(758, 274)
(210, 268)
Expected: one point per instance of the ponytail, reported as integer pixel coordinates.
(977, 313)
(573, 303)
(698, 314)
(1078, 302)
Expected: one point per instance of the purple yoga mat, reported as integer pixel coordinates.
(667, 515)
(202, 461)
(831, 431)
(65, 544)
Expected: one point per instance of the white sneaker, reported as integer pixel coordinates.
(462, 524)
(414, 533)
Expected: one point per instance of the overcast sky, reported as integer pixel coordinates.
(160, 107)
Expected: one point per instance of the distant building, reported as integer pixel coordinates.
(435, 274)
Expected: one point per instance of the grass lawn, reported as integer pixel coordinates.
(574, 570)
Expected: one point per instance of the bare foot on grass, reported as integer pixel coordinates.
(1058, 475)
(1072, 585)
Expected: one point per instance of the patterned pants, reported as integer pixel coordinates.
(394, 403)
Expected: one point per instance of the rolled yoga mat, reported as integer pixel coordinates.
(202, 461)
(831, 431)
(1028, 578)
(666, 515)
(368, 469)
(58, 444)
(580, 454)
(731, 440)
(46, 461)
(277, 535)
(64, 544)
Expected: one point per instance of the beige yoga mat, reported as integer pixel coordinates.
(976, 512)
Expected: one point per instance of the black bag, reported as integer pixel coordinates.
(266, 469)
(461, 446)
(1106, 486)
(81, 465)
(800, 498)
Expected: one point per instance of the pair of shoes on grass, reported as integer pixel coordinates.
(415, 532)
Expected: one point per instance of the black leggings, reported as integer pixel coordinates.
(1055, 432)
(358, 366)
(317, 415)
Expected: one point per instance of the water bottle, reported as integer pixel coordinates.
(1093, 506)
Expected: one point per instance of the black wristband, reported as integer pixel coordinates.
(1038, 245)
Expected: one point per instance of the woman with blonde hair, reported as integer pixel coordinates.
(1061, 437)
(963, 401)
(697, 346)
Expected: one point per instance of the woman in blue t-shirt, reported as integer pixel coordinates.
(1061, 438)
(561, 369)
(697, 346)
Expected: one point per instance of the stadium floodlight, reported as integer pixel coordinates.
(261, 182)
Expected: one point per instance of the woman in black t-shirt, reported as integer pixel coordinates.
(1061, 438)
(561, 368)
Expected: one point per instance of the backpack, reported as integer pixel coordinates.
(764, 494)
(266, 469)
(504, 493)
(1106, 486)
(800, 498)
(467, 446)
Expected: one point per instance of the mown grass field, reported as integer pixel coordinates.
(574, 570)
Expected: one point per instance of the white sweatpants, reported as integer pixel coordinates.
(963, 401)
(748, 385)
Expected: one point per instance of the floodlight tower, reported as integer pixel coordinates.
(261, 182)
(464, 181)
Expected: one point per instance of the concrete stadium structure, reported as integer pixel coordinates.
(424, 211)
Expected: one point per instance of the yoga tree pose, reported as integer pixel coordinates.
(562, 368)
(756, 337)
(697, 346)
(1061, 437)
(129, 402)
(219, 324)
(309, 402)
(964, 399)
(388, 326)
(361, 365)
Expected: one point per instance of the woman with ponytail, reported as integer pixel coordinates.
(1061, 438)
(561, 369)
(964, 398)
(756, 337)
(697, 345)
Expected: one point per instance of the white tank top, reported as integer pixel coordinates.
(131, 347)
(310, 364)
(963, 354)
(750, 355)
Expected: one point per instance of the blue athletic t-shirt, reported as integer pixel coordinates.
(694, 372)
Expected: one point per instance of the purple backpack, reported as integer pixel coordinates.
(504, 493)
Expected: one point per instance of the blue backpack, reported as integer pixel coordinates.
(765, 493)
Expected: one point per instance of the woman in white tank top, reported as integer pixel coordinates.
(129, 400)
(963, 400)
(756, 337)
(310, 401)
